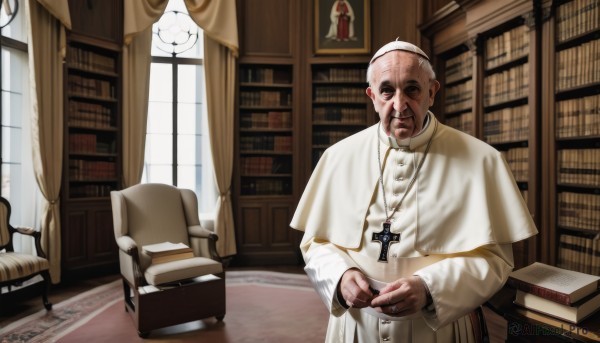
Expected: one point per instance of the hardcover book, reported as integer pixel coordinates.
(556, 284)
(165, 248)
(573, 314)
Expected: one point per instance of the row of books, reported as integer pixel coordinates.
(462, 122)
(89, 143)
(459, 67)
(89, 60)
(506, 125)
(265, 165)
(266, 75)
(258, 186)
(85, 86)
(579, 210)
(579, 253)
(266, 98)
(340, 94)
(577, 17)
(90, 115)
(579, 167)
(578, 66)
(505, 86)
(578, 117)
(506, 47)
(83, 170)
(266, 120)
(518, 161)
(266, 143)
(340, 114)
(340, 75)
(557, 292)
(91, 190)
(329, 137)
(459, 97)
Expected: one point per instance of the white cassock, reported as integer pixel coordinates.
(456, 226)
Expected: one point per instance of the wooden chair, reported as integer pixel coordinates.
(169, 293)
(17, 267)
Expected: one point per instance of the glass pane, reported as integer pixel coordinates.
(188, 119)
(159, 149)
(161, 82)
(159, 174)
(160, 118)
(11, 144)
(12, 109)
(190, 81)
(188, 149)
(189, 177)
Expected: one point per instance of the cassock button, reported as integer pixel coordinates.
(386, 339)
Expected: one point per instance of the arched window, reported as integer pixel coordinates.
(177, 145)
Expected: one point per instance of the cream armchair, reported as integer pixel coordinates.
(192, 288)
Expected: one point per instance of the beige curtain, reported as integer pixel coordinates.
(46, 40)
(220, 88)
(219, 22)
(139, 15)
(136, 83)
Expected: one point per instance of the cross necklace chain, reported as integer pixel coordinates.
(386, 237)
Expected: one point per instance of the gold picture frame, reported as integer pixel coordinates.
(351, 35)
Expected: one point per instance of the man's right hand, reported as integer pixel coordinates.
(354, 289)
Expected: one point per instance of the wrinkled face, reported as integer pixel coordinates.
(402, 92)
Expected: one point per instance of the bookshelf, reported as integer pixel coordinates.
(339, 104)
(573, 122)
(490, 90)
(265, 130)
(92, 134)
(506, 90)
(458, 90)
(266, 166)
(92, 137)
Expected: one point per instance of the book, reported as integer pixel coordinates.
(172, 257)
(575, 313)
(165, 248)
(553, 283)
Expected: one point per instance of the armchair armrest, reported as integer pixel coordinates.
(197, 231)
(37, 238)
(200, 232)
(127, 245)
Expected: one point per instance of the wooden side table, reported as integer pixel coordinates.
(529, 326)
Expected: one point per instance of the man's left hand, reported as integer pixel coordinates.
(402, 297)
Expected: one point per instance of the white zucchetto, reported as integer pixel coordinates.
(399, 45)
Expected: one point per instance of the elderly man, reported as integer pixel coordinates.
(408, 224)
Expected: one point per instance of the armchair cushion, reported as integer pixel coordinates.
(14, 266)
(161, 273)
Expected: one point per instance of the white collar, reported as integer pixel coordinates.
(412, 142)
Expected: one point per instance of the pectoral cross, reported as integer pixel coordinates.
(385, 237)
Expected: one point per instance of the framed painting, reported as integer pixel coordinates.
(342, 27)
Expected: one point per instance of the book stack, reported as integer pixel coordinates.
(167, 252)
(561, 293)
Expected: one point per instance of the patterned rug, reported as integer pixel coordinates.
(75, 312)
